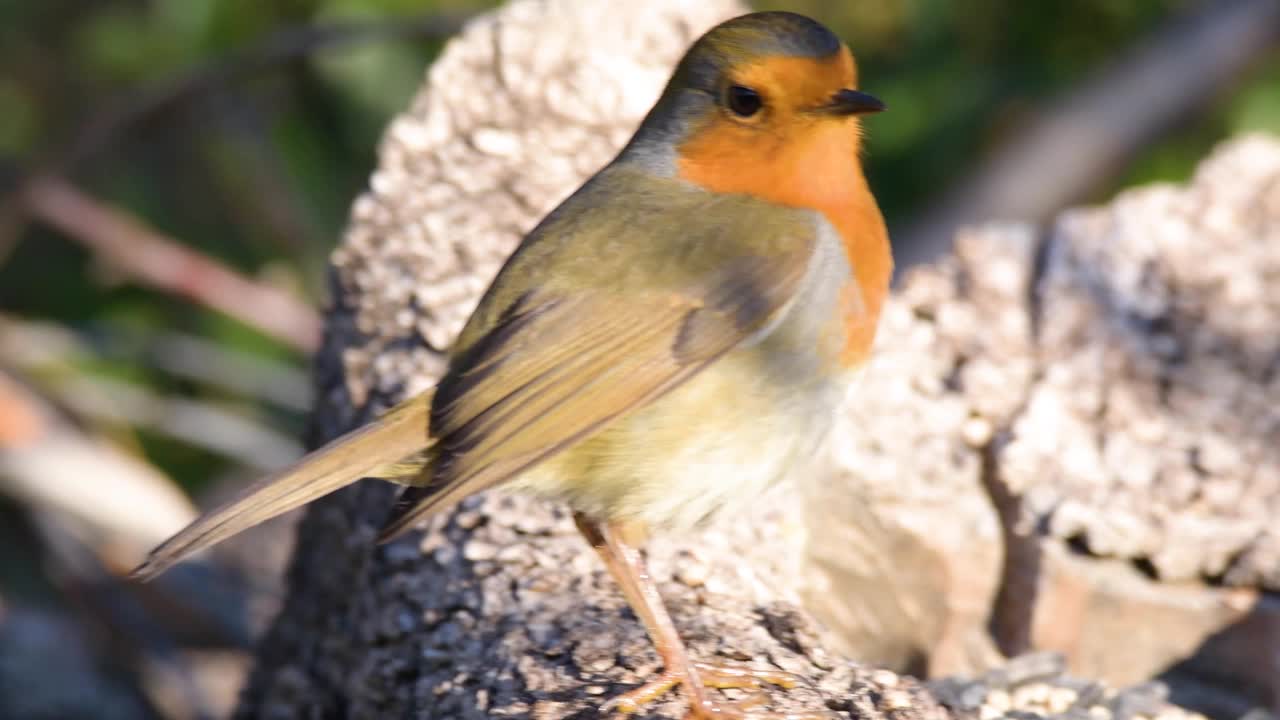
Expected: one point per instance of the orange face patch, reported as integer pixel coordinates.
(793, 156)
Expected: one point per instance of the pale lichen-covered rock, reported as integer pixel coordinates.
(905, 524)
(1154, 434)
(1106, 389)
(1019, 388)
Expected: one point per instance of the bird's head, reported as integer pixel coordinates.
(765, 103)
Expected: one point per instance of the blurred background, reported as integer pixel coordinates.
(174, 173)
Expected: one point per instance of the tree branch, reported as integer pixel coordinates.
(163, 263)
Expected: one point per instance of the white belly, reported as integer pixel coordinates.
(737, 455)
(708, 447)
(716, 443)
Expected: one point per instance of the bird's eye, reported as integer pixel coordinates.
(743, 101)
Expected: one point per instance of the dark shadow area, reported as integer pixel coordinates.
(1212, 681)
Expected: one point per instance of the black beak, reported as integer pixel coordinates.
(853, 102)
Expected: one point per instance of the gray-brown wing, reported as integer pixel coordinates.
(559, 367)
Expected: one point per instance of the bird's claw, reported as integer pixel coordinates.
(702, 707)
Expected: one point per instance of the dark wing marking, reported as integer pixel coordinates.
(558, 368)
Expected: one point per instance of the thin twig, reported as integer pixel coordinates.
(165, 264)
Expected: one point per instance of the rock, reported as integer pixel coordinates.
(1037, 685)
(1153, 435)
(905, 555)
(1047, 413)
(1070, 437)
(1084, 603)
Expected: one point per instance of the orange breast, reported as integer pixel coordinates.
(815, 166)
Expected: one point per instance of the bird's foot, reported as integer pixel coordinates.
(703, 707)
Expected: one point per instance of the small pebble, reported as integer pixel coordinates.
(716, 586)
(468, 520)
(512, 553)
(431, 542)
(693, 573)
(548, 709)
(476, 551)
(976, 432)
(528, 525)
(1089, 694)
(1000, 700)
(884, 678)
(1060, 699)
(958, 694)
(1036, 694)
(897, 700)
(1034, 667)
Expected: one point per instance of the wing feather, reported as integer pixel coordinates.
(558, 366)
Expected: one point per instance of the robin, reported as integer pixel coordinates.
(670, 341)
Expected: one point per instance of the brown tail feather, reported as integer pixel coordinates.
(399, 433)
(417, 503)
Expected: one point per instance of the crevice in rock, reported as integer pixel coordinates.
(1013, 608)
(1147, 568)
(1035, 293)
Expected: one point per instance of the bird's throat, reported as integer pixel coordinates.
(818, 169)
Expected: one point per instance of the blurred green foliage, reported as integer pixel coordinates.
(258, 171)
(959, 76)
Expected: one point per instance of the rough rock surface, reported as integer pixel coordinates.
(450, 199)
(904, 523)
(1154, 433)
(944, 506)
(1108, 390)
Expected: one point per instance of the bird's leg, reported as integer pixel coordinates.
(628, 569)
